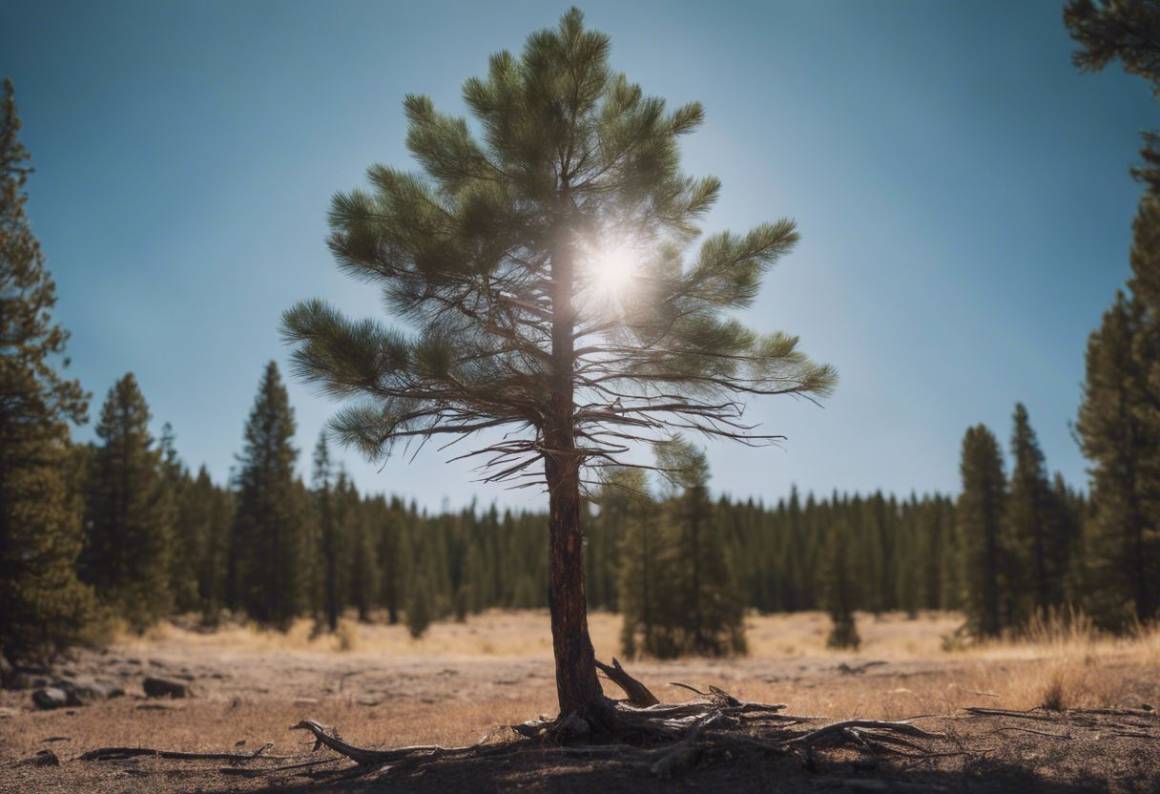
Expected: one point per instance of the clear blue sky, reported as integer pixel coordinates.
(961, 191)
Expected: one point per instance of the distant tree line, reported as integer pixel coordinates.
(681, 567)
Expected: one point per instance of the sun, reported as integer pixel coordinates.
(612, 268)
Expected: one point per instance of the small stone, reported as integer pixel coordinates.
(50, 698)
(165, 687)
(43, 758)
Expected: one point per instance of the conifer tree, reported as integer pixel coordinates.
(420, 606)
(706, 610)
(363, 574)
(188, 537)
(43, 606)
(1038, 557)
(268, 547)
(328, 532)
(980, 520)
(207, 512)
(840, 597)
(1127, 31)
(130, 513)
(626, 505)
(494, 254)
(392, 524)
(1121, 536)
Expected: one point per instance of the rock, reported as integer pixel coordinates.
(42, 758)
(165, 687)
(50, 698)
(84, 693)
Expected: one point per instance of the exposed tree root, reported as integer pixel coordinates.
(666, 739)
(1134, 723)
(638, 693)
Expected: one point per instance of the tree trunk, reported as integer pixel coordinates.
(577, 688)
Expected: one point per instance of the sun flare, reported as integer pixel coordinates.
(613, 268)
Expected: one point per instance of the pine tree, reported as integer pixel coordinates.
(841, 596)
(420, 607)
(328, 532)
(43, 606)
(188, 537)
(268, 543)
(1127, 31)
(1121, 536)
(627, 506)
(1037, 564)
(207, 513)
(494, 254)
(706, 611)
(130, 514)
(392, 525)
(363, 574)
(980, 520)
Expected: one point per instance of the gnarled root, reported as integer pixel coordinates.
(664, 738)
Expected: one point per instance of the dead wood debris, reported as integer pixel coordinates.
(122, 753)
(665, 739)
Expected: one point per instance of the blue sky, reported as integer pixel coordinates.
(961, 191)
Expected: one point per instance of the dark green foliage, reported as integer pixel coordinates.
(1038, 537)
(270, 577)
(627, 510)
(358, 538)
(43, 606)
(207, 513)
(706, 614)
(188, 534)
(1123, 30)
(840, 594)
(420, 606)
(1120, 541)
(676, 593)
(1127, 31)
(980, 521)
(327, 534)
(129, 520)
(1119, 423)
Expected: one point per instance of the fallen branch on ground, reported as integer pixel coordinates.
(121, 753)
(665, 739)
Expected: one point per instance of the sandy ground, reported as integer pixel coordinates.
(462, 681)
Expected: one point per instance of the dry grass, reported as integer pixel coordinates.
(1060, 663)
(461, 680)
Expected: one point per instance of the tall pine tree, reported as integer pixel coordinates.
(129, 517)
(328, 549)
(840, 594)
(503, 255)
(706, 614)
(980, 522)
(1037, 538)
(268, 544)
(43, 606)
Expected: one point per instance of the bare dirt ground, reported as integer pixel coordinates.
(462, 681)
